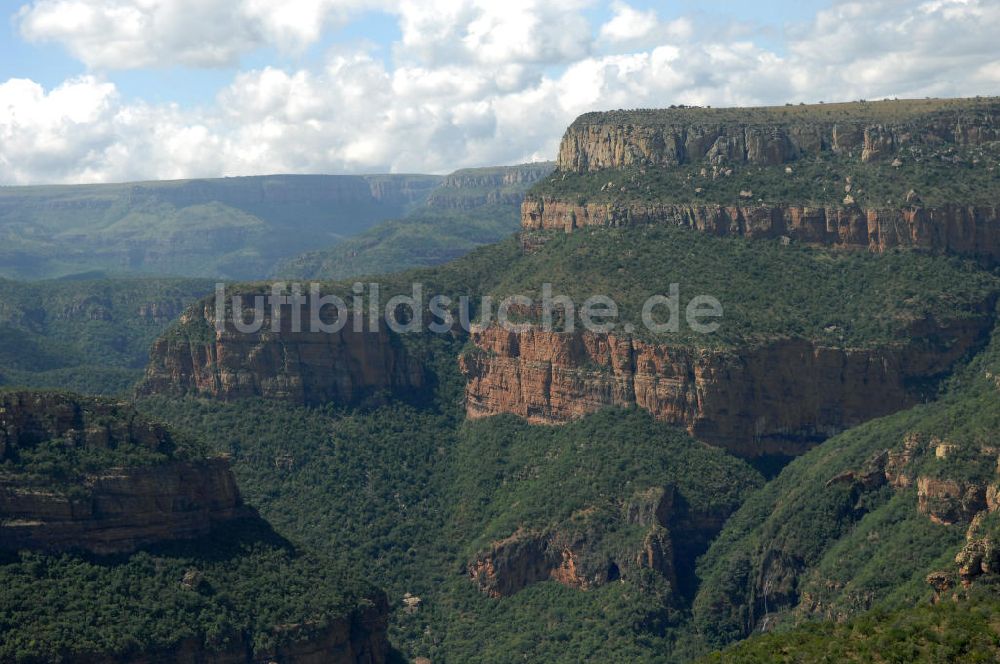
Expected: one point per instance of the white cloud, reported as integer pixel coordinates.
(629, 24)
(131, 34)
(470, 85)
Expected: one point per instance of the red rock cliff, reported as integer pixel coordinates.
(774, 397)
(964, 230)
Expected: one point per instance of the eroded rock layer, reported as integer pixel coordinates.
(964, 230)
(776, 397)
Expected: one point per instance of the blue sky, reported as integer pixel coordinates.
(96, 90)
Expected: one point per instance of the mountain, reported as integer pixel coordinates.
(122, 542)
(469, 208)
(234, 228)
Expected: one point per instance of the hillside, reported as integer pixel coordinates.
(122, 542)
(89, 335)
(470, 208)
(869, 518)
(235, 228)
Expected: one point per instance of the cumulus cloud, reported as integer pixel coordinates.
(131, 34)
(470, 85)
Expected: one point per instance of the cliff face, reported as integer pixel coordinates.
(778, 397)
(768, 137)
(578, 554)
(965, 230)
(114, 510)
(121, 510)
(301, 367)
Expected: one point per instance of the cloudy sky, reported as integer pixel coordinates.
(113, 90)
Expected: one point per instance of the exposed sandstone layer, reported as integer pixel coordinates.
(965, 230)
(777, 397)
(302, 367)
(114, 511)
(772, 136)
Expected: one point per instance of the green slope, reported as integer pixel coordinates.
(818, 543)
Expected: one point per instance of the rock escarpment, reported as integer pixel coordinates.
(305, 367)
(108, 510)
(957, 229)
(773, 136)
(776, 397)
(948, 148)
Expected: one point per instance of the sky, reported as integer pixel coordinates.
(119, 90)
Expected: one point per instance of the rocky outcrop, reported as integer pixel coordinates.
(776, 397)
(114, 510)
(476, 187)
(120, 510)
(965, 230)
(583, 552)
(772, 136)
(304, 367)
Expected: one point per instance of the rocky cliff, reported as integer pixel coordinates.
(773, 136)
(966, 230)
(103, 510)
(863, 175)
(776, 397)
(302, 367)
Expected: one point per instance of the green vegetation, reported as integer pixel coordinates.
(966, 176)
(946, 632)
(429, 236)
(808, 545)
(766, 290)
(236, 590)
(405, 496)
(69, 437)
(91, 336)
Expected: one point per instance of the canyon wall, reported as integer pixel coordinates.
(965, 230)
(776, 397)
(115, 510)
(301, 367)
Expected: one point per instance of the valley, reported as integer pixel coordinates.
(821, 466)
